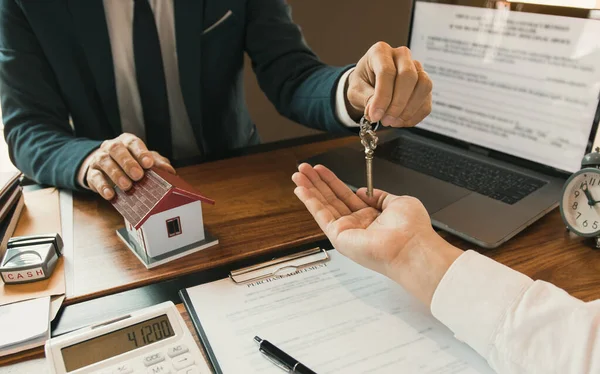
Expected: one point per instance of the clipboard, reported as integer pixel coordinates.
(278, 267)
(328, 312)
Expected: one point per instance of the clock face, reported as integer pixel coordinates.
(580, 204)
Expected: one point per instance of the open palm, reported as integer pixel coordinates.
(375, 232)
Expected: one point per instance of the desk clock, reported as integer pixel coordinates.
(580, 201)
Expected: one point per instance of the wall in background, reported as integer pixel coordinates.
(339, 32)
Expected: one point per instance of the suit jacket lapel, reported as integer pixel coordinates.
(90, 24)
(189, 15)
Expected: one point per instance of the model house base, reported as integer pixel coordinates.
(151, 262)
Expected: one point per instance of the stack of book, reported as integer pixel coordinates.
(11, 205)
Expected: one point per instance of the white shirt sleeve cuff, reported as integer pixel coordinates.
(340, 102)
(474, 296)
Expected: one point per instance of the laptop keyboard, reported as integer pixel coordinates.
(483, 178)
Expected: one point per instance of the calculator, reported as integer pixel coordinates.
(154, 340)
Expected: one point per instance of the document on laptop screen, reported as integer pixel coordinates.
(526, 84)
(334, 317)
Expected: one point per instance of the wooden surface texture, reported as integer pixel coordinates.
(257, 213)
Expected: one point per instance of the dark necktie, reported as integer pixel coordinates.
(150, 76)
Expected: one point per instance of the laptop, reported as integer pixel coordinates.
(515, 109)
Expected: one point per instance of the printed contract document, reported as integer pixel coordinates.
(334, 317)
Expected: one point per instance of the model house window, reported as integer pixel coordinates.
(173, 226)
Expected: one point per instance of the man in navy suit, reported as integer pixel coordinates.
(94, 92)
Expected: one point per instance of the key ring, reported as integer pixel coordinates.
(365, 121)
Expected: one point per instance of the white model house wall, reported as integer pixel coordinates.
(156, 235)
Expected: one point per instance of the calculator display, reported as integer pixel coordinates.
(117, 342)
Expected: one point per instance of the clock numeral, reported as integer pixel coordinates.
(575, 205)
(576, 193)
(578, 215)
(592, 181)
(585, 224)
(595, 225)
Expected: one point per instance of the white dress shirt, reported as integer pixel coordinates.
(119, 20)
(518, 325)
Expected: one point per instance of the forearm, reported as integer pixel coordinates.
(315, 102)
(47, 155)
(40, 140)
(299, 85)
(516, 324)
(420, 269)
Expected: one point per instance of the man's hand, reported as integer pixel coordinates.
(120, 161)
(389, 234)
(392, 87)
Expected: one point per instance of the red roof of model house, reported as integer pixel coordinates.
(157, 192)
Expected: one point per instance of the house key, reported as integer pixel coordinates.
(369, 141)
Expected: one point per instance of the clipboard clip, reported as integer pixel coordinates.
(286, 265)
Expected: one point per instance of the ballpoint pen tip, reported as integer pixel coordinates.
(257, 339)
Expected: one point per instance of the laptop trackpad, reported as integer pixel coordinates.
(349, 165)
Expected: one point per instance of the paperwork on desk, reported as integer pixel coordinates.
(27, 309)
(24, 325)
(336, 317)
(41, 215)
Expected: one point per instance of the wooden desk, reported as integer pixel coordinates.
(257, 214)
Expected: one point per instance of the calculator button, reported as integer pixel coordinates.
(183, 361)
(189, 370)
(159, 369)
(154, 359)
(177, 350)
(122, 369)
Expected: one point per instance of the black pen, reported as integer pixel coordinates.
(280, 358)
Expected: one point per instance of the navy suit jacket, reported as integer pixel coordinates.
(57, 82)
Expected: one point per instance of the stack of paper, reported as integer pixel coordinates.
(24, 325)
(26, 310)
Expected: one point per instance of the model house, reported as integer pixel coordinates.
(162, 213)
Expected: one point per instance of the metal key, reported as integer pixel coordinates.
(369, 141)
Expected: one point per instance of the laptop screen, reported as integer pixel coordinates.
(515, 78)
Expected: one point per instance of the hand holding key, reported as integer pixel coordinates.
(389, 86)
